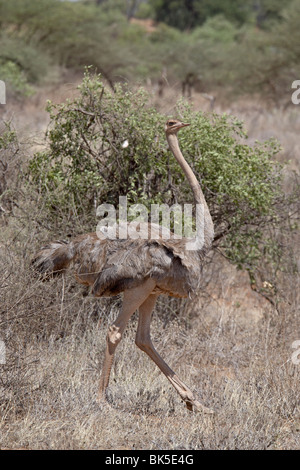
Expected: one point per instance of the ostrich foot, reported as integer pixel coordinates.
(195, 405)
(103, 401)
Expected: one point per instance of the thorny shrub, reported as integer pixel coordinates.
(105, 144)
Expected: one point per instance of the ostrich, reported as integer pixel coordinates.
(142, 269)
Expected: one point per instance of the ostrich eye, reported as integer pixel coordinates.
(171, 123)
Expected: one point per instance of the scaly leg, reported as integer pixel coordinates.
(143, 341)
(132, 299)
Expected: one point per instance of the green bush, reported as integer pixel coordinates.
(86, 164)
(15, 78)
(21, 65)
(10, 155)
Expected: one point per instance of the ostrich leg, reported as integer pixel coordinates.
(143, 341)
(132, 299)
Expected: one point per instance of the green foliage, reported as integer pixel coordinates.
(265, 62)
(8, 136)
(21, 65)
(216, 30)
(238, 46)
(88, 160)
(9, 163)
(105, 144)
(268, 12)
(71, 35)
(191, 13)
(11, 74)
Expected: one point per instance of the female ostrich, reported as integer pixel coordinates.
(142, 270)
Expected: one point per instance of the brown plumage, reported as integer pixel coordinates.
(112, 266)
(141, 268)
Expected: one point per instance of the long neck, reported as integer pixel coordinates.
(199, 199)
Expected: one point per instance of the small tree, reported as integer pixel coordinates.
(104, 144)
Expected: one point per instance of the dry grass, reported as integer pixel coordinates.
(55, 348)
(237, 362)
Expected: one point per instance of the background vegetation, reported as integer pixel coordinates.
(234, 343)
(249, 46)
(86, 164)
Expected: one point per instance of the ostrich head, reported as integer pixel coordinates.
(173, 125)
